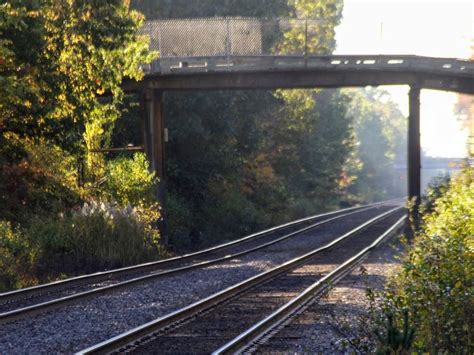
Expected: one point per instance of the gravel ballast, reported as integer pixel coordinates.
(334, 324)
(78, 326)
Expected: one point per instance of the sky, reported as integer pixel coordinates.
(440, 28)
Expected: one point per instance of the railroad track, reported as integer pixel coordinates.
(235, 318)
(27, 302)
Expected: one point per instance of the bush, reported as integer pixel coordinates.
(436, 280)
(26, 191)
(437, 187)
(54, 161)
(180, 219)
(129, 181)
(97, 237)
(41, 184)
(230, 214)
(16, 259)
(41, 181)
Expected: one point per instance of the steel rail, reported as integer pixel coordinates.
(118, 342)
(59, 302)
(29, 292)
(248, 338)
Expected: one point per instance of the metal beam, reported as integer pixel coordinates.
(310, 78)
(414, 149)
(154, 142)
(277, 79)
(157, 132)
(145, 107)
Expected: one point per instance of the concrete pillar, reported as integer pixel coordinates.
(414, 148)
(154, 141)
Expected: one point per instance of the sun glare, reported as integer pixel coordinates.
(420, 27)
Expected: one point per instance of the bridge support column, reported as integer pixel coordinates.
(414, 149)
(154, 141)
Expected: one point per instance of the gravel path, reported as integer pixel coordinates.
(78, 326)
(334, 324)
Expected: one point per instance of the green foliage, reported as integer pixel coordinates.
(380, 143)
(95, 56)
(435, 282)
(327, 13)
(16, 260)
(40, 183)
(60, 57)
(180, 221)
(23, 85)
(240, 161)
(97, 237)
(394, 340)
(227, 203)
(212, 155)
(313, 143)
(129, 180)
(56, 162)
(57, 60)
(436, 188)
(156, 9)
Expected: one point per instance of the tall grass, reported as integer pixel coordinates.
(97, 237)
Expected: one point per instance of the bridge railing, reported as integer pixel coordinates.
(235, 37)
(227, 44)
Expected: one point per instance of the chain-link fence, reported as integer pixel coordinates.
(226, 44)
(207, 37)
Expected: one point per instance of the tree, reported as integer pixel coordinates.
(166, 9)
(95, 45)
(380, 134)
(319, 36)
(25, 73)
(58, 59)
(317, 138)
(240, 160)
(62, 63)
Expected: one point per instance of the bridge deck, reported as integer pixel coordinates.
(271, 72)
(187, 65)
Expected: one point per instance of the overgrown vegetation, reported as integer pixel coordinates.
(95, 237)
(432, 293)
(56, 60)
